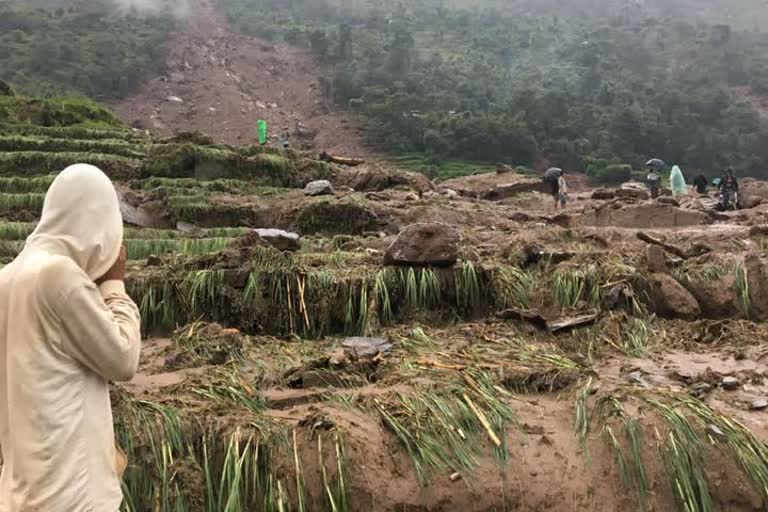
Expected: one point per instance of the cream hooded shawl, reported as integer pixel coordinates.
(62, 339)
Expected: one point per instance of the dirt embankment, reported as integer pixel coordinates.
(222, 83)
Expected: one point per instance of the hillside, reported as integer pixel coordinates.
(402, 346)
(220, 83)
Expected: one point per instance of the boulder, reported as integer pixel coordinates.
(656, 259)
(749, 202)
(493, 186)
(643, 216)
(279, 239)
(603, 194)
(318, 188)
(367, 178)
(730, 383)
(671, 299)
(758, 405)
(361, 347)
(429, 243)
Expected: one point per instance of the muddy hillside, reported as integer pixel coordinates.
(322, 337)
(223, 83)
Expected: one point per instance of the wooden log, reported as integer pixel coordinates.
(351, 162)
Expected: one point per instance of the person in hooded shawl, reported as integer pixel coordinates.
(67, 328)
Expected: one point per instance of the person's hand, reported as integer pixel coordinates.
(117, 272)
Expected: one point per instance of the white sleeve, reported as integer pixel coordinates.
(102, 329)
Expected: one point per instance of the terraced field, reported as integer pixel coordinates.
(530, 361)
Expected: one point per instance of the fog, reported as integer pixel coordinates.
(179, 8)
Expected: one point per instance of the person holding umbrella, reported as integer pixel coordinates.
(552, 179)
(654, 178)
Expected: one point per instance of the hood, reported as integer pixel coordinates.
(81, 220)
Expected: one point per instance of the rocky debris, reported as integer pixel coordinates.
(671, 299)
(370, 179)
(629, 190)
(758, 405)
(493, 186)
(504, 169)
(730, 383)
(341, 160)
(641, 216)
(531, 316)
(318, 188)
(277, 238)
(362, 347)
(429, 243)
(532, 254)
(656, 259)
(749, 202)
(700, 390)
(565, 324)
(668, 200)
(191, 229)
(174, 99)
(692, 252)
(639, 378)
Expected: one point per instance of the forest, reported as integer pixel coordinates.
(586, 85)
(526, 85)
(79, 48)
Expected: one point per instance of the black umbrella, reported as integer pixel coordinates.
(656, 164)
(553, 174)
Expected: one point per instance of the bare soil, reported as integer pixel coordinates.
(222, 83)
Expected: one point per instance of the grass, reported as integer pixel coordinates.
(19, 185)
(438, 427)
(58, 145)
(511, 288)
(16, 231)
(21, 202)
(140, 249)
(441, 169)
(35, 163)
(742, 289)
(635, 336)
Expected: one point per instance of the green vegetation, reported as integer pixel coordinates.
(86, 48)
(56, 112)
(517, 81)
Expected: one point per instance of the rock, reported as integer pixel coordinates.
(668, 200)
(758, 405)
(175, 99)
(730, 383)
(279, 239)
(366, 179)
(410, 196)
(700, 389)
(493, 186)
(450, 193)
(318, 188)
(750, 202)
(656, 259)
(190, 229)
(360, 347)
(503, 169)
(757, 278)
(603, 194)
(639, 378)
(648, 215)
(671, 299)
(429, 243)
(321, 379)
(714, 431)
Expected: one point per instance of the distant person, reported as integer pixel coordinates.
(729, 190)
(552, 180)
(67, 328)
(677, 182)
(562, 191)
(701, 184)
(284, 138)
(653, 181)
